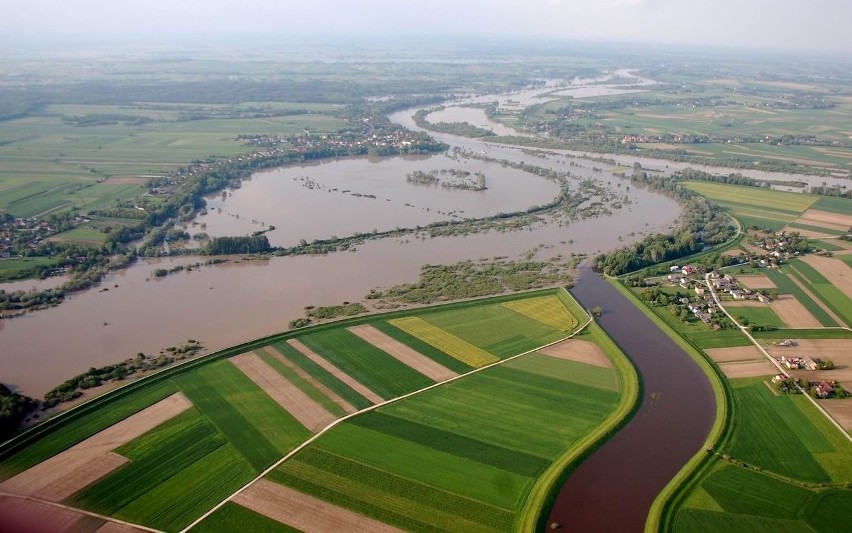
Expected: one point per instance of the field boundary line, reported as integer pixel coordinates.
(322, 432)
(81, 511)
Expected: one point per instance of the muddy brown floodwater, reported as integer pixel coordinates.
(612, 490)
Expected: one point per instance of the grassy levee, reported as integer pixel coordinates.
(109, 415)
(533, 514)
(660, 515)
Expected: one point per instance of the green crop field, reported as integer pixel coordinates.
(786, 435)
(456, 457)
(83, 234)
(495, 329)
(763, 316)
(831, 295)
(260, 429)
(782, 455)
(70, 434)
(52, 164)
(726, 338)
(834, 204)
(828, 245)
(753, 197)
(11, 268)
(546, 309)
(186, 442)
(232, 517)
(367, 364)
(462, 350)
(290, 375)
(322, 375)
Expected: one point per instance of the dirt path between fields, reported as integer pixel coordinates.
(81, 465)
(405, 354)
(336, 372)
(309, 413)
(304, 512)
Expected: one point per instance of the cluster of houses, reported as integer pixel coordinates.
(400, 139)
(818, 389)
(29, 231)
(778, 247)
(822, 389)
(704, 306)
(798, 363)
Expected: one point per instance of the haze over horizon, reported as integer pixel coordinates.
(819, 25)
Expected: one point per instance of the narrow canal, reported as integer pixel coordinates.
(613, 489)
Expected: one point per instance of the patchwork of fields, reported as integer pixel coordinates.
(785, 468)
(464, 455)
(459, 457)
(52, 163)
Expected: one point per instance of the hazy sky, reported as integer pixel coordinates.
(811, 24)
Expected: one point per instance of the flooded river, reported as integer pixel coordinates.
(231, 303)
(227, 304)
(614, 488)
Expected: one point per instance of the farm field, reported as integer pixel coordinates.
(760, 314)
(804, 295)
(741, 362)
(755, 201)
(829, 291)
(788, 466)
(411, 464)
(240, 414)
(53, 163)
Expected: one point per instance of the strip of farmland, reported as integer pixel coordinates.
(274, 358)
(403, 353)
(545, 309)
(449, 344)
(336, 372)
(311, 414)
(305, 512)
(72, 470)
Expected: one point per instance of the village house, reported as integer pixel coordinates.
(798, 363)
